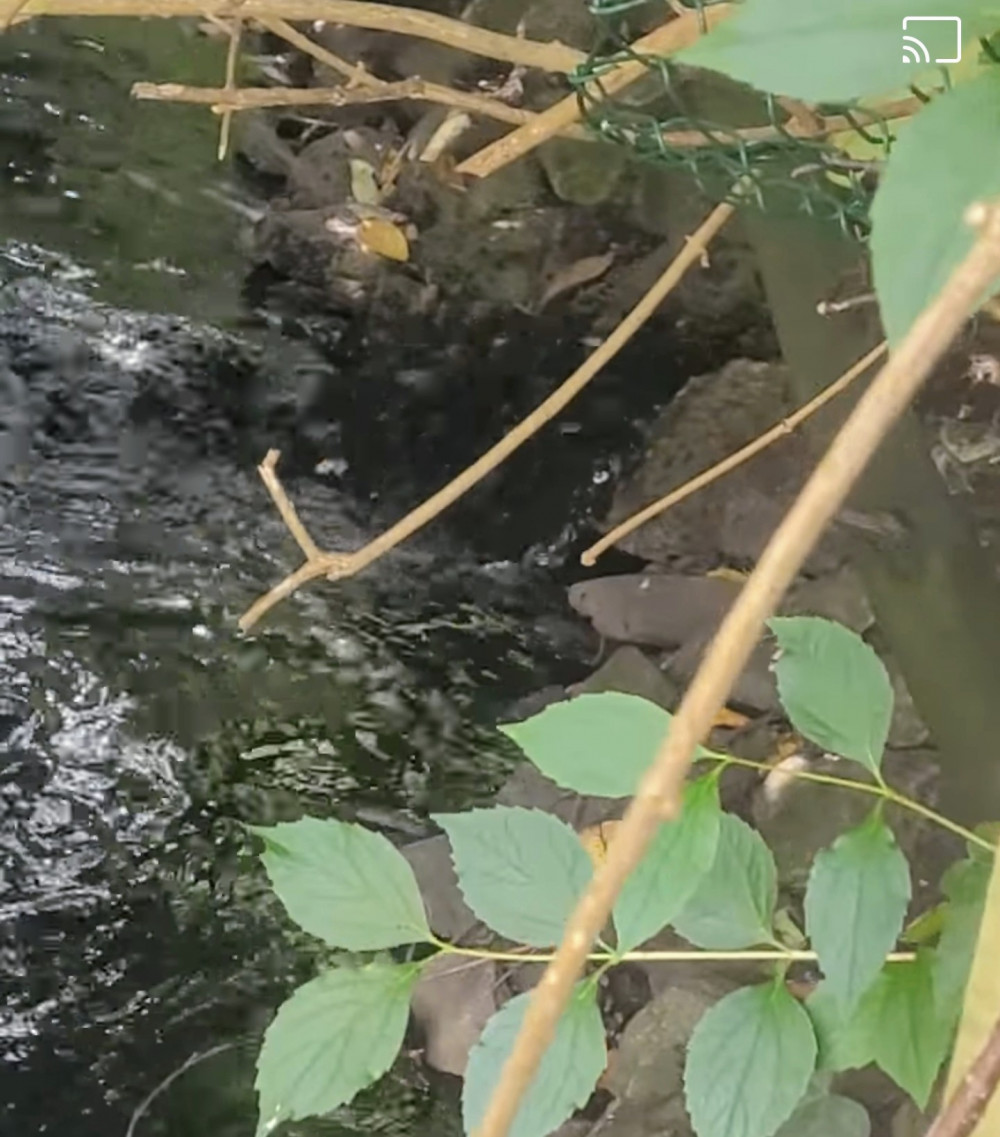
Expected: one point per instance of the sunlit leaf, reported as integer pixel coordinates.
(749, 1063)
(331, 1038)
(343, 883)
(734, 903)
(965, 885)
(384, 238)
(828, 1115)
(673, 869)
(948, 155)
(594, 744)
(899, 1019)
(520, 870)
(826, 52)
(856, 902)
(834, 688)
(566, 1075)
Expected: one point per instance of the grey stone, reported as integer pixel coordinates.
(907, 729)
(451, 1003)
(628, 670)
(755, 688)
(838, 596)
(659, 609)
(582, 173)
(449, 915)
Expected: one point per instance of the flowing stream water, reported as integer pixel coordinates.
(139, 946)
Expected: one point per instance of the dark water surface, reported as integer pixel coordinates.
(137, 728)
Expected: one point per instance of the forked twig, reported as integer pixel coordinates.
(335, 566)
(737, 458)
(658, 795)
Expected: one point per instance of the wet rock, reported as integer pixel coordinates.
(451, 1003)
(754, 690)
(529, 788)
(909, 1121)
(838, 596)
(713, 416)
(449, 916)
(907, 729)
(662, 610)
(805, 816)
(646, 1073)
(629, 671)
(583, 173)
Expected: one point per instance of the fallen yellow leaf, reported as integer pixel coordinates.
(384, 239)
(734, 576)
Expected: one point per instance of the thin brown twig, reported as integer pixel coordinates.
(9, 11)
(737, 458)
(421, 89)
(552, 56)
(232, 58)
(250, 98)
(665, 40)
(289, 514)
(968, 1104)
(335, 566)
(658, 796)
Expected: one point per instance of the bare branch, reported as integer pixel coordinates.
(336, 565)
(968, 1104)
(744, 454)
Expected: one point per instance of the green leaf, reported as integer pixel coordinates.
(842, 1045)
(331, 1038)
(965, 885)
(595, 744)
(900, 1021)
(834, 688)
(735, 901)
(856, 902)
(828, 1116)
(343, 883)
(749, 1063)
(566, 1075)
(949, 155)
(679, 857)
(826, 52)
(520, 870)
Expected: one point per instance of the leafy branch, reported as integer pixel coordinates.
(659, 794)
(707, 875)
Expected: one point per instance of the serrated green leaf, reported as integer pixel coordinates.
(520, 870)
(908, 1037)
(834, 688)
(331, 1038)
(949, 155)
(566, 1075)
(595, 744)
(842, 1046)
(856, 902)
(749, 1063)
(831, 53)
(965, 885)
(343, 883)
(828, 1116)
(735, 900)
(676, 863)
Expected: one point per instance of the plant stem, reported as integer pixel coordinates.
(694, 955)
(880, 790)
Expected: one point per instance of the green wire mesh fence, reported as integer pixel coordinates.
(775, 168)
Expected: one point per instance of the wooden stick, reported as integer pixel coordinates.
(706, 477)
(354, 13)
(963, 1113)
(232, 57)
(658, 796)
(665, 40)
(335, 566)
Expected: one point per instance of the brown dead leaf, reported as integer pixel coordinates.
(383, 238)
(579, 272)
(596, 839)
(730, 719)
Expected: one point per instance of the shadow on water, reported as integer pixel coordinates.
(137, 730)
